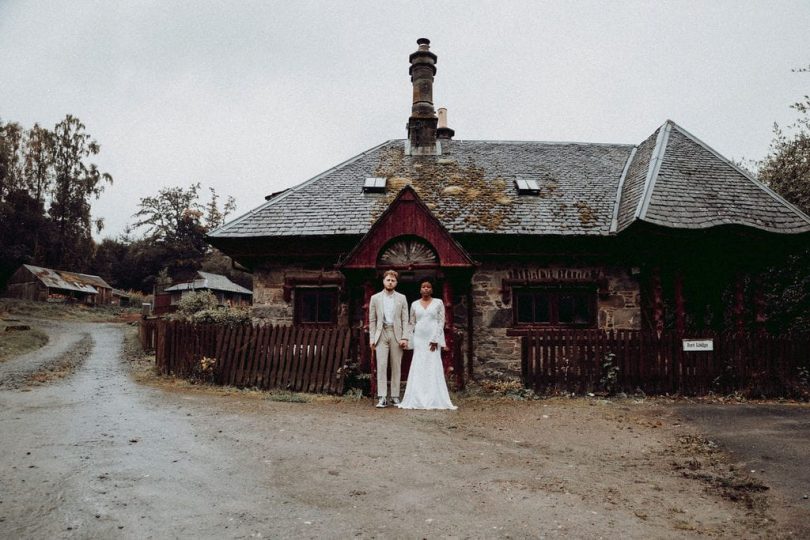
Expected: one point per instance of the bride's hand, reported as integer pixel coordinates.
(433, 346)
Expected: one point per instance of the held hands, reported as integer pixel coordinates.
(403, 344)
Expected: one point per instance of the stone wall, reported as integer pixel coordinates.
(268, 295)
(497, 354)
(269, 304)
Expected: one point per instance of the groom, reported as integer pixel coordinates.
(388, 324)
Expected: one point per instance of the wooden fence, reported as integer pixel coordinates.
(301, 359)
(586, 360)
(147, 333)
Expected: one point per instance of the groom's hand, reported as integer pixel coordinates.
(403, 343)
(373, 346)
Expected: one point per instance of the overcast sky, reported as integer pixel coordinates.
(254, 97)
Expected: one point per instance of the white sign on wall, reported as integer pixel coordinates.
(698, 344)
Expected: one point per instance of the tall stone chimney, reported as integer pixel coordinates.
(423, 121)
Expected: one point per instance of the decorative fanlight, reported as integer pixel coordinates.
(407, 252)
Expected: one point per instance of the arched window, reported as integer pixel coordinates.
(408, 252)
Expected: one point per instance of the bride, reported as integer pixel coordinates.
(426, 387)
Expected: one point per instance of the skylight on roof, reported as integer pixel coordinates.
(374, 185)
(527, 186)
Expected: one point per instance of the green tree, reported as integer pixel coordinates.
(75, 183)
(22, 215)
(11, 169)
(176, 223)
(213, 216)
(110, 262)
(38, 162)
(22, 220)
(167, 214)
(786, 169)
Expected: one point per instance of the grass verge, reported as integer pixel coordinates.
(17, 342)
(12, 307)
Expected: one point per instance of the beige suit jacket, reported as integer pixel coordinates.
(376, 316)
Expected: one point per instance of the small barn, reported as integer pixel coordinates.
(226, 291)
(120, 297)
(40, 284)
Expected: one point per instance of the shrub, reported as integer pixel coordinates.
(201, 307)
(610, 373)
(136, 298)
(225, 316)
(194, 302)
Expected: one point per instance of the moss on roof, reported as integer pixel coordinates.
(454, 192)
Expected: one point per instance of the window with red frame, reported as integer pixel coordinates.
(316, 305)
(555, 306)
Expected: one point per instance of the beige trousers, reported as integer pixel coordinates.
(388, 348)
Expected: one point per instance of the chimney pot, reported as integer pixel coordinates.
(442, 112)
(443, 132)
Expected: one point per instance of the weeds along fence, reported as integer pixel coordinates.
(590, 360)
(301, 359)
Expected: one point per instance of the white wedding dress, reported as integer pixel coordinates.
(426, 387)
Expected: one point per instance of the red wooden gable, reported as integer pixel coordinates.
(407, 216)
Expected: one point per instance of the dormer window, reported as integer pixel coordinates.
(527, 186)
(374, 185)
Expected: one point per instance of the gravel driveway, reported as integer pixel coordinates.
(98, 455)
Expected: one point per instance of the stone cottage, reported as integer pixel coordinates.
(518, 235)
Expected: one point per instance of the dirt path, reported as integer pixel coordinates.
(98, 455)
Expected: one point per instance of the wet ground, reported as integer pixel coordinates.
(770, 441)
(98, 455)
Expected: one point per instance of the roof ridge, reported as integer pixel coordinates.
(614, 220)
(540, 142)
(295, 188)
(512, 141)
(654, 167)
(743, 172)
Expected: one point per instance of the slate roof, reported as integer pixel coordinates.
(208, 281)
(671, 179)
(694, 187)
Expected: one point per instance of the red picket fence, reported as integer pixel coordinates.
(301, 359)
(579, 361)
